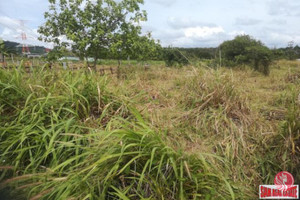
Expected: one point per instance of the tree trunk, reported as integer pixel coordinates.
(50, 65)
(256, 65)
(95, 63)
(92, 66)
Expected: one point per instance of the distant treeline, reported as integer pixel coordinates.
(243, 50)
(290, 53)
(16, 48)
(201, 53)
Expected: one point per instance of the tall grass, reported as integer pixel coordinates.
(129, 163)
(202, 134)
(64, 135)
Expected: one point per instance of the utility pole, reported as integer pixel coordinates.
(25, 48)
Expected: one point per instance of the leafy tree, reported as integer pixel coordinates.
(174, 57)
(93, 27)
(291, 51)
(235, 50)
(278, 54)
(1, 44)
(5, 50)
(138, 47)
(260, 58)
(146, 48)
(56, 53)
(297, 51)
(243, 49)
(2, 48)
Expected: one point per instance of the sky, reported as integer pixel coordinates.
(181, 23)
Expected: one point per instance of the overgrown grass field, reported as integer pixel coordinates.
(163, 133)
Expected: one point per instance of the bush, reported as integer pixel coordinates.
(173, 57)
(246, 50)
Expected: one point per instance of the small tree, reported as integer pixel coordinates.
(93, 28)
(235, 50)
(54, 55)
(246, 50)
(6, 50)
(173, 57)
(260, 58)
(290, 51)
(146, 48)
(2, 50)
(138, 47)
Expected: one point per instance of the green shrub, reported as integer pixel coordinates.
(246, 50)
(173, 57)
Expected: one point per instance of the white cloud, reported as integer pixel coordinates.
(17, 26)
(278, 22)
(165, 3)
(235, 33)
(284, 7)
(202, 32)
(12, 30)
(10, 23)
(7, 32)
(279, 39)
(186, 22)
(247, 21)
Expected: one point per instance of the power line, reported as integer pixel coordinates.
(19, 27)
(25, 48)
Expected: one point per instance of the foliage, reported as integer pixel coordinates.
(199, 53)
(260, 58)
(145, 48)
(173, 57)
(1, 44)
(292, 52)
(54, 54)
(246, 50)
(4, 49)
(1, 49)
(141, 48)
(93, 27)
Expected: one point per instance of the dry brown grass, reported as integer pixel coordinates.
(239, 123)
(229, 113)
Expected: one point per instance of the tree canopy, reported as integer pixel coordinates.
(94, 28)
(244, 49)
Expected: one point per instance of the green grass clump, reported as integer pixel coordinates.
(59, 140)
(133, 162)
